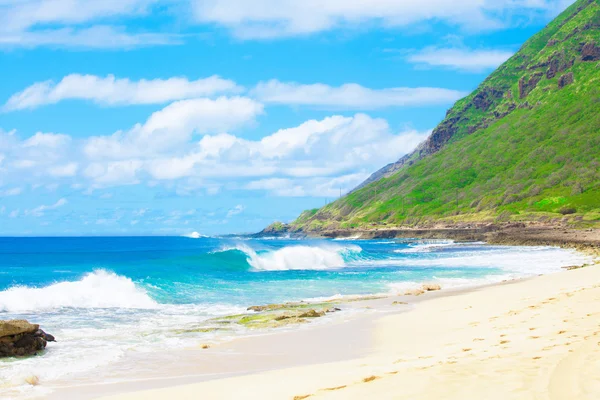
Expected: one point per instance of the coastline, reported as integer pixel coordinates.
(533, 343)
(340, 339)
(515, 234)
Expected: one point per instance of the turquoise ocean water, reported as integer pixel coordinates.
(139, 293)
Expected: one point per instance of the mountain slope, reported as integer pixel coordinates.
(525, 145)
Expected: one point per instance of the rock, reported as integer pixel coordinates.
(526, 86)
(431, 287)
(414, 292)
(565, 80)
(486, 97)
(19, 338)
(334, 309)
(558, 62)
(590, 52)
(46, 336)
(15, 327)
(311, 314)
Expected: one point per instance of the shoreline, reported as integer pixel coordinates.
(515, 234)
(522, 333)
(342, 339)
(359, 346)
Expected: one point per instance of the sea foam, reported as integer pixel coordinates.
(298, 257)
(99, 289)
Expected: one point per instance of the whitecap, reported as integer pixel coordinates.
(99, 289)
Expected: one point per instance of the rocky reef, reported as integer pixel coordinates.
(19, 338)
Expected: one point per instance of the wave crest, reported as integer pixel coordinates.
(297, 257)
(99, 289)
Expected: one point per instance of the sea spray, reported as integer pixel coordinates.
(98, 289)
(292, 258)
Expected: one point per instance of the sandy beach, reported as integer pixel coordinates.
(532, 339)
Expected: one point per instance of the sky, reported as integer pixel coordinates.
(165, 117)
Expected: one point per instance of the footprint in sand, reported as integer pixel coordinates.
(335, 388)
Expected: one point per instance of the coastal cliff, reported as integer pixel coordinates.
(523, 147)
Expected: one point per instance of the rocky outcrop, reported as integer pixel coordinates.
(526, 85)
(557, 64)
(19, 338)
(565, 80)
(486, 97)
(590, 52)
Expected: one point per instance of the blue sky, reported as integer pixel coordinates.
(221, 116)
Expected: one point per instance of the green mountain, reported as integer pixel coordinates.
(524, 146)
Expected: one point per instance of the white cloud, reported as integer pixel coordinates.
(65, 170)
(76, 23)
(37, 158)
(95, 37)
(48, 140)
(351, 95)
(263, 19)
(327, 148)
(111, 91)
(474, 60)
(116, 24)
(173, 126)
(11, 192)
(41, 210)
(236, 211)
(184, 147)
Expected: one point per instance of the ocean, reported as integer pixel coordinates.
(105, 298)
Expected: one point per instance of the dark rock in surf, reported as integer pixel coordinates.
(19, 338)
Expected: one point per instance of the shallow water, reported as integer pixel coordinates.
(105, 298)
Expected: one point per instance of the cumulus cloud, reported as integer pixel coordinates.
(351, 96)
(32, 160)
(174, 125)
(112, 91)
(473, 60)
(190, 145)
(327, 148)
(265, 19)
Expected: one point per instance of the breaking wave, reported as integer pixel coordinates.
(99, 289)
(297, 257)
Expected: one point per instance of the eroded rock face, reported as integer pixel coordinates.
(590, 52)
(486, 97)
(526, 85)
(19, 338)
(565, 80)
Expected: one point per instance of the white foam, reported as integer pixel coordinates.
(99, 289)
(426, 246)
(342, 239)
(194, 235)
(299, 257)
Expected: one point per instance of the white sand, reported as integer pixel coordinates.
(533, 339)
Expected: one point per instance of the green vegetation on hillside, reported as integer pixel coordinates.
(524, 146)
